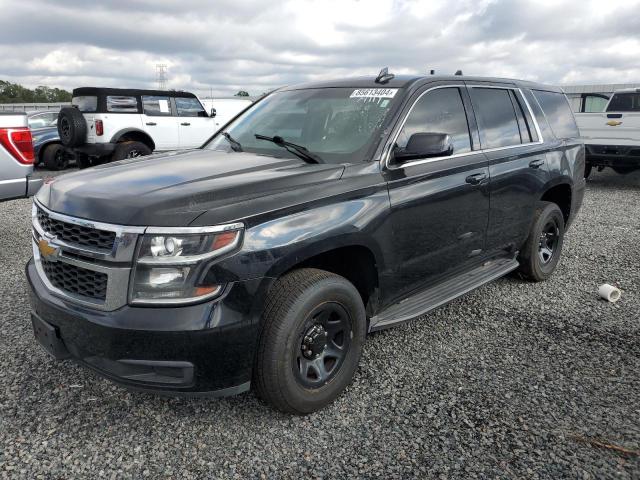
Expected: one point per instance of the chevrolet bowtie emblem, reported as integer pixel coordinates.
(614, 123)
(48, 252)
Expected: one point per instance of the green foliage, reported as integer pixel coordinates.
(242, 93)
(14, 93)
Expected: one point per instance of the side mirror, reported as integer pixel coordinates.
(213, 112)
(424, 145)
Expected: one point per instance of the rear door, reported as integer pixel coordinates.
(439, 206)
(159, 120)
(517, 163)
(195, 124)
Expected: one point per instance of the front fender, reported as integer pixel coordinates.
(275, 246)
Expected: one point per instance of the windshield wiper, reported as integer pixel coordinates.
(235, 145)
(298, 150)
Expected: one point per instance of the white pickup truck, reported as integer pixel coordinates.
(612, 137)
(16, 157)
(105, 124)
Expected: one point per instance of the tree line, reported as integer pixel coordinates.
(14, 93)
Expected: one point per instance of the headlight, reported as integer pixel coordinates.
(170, 267)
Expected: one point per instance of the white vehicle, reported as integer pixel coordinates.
(105, 124)
(16, 157)
(612, 137)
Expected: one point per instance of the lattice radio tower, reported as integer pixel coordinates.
(161, 76)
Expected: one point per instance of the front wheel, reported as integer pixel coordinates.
(314, 326)
(541, 252)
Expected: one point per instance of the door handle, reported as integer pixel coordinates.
(151, 123)
(476, 178)
(536, 163)
(186, 124)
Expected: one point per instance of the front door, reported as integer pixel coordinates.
(195, 124)
(439, 206)
(159, 120)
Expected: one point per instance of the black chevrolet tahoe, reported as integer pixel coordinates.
(323, 212)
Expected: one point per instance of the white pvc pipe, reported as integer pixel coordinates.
(609, 292)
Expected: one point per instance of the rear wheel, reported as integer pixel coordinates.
(623, 170)
(130, 150)
(54, 157)
(541, 252)
(312, 337)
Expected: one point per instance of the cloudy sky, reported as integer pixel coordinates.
(222, 46)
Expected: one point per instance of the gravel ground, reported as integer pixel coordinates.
(515, 380)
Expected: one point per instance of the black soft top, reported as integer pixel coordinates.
(100, 91)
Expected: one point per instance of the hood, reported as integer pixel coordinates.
(174, 189)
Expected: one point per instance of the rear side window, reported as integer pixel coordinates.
(189, 107)
(86, 104)
(439, 111)
(625, 102)
(496, 117)
(122, 104)
(156, 106)
(558, 113)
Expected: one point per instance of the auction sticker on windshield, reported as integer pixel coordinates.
(374, 93)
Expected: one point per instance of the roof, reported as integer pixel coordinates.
(128, 91)
(404, 81)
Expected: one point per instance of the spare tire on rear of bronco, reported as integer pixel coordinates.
(72, 127)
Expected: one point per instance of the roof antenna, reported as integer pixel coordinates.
(384, 76)
(459, 73)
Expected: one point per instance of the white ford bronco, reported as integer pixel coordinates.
(105, 124)
(612, 136)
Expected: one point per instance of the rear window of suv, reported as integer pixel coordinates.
(156, 106)
(625, 102)
(558, 113)
(86, 104)
(122, 104)
(496, 114)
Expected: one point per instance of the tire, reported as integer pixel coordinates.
(623, 170)
(82, 160)
(297, 304)
(587, 170)
(541, 252)
(55, 157)
(72, 127)
(130, 150)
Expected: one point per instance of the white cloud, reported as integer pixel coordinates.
(255, 46)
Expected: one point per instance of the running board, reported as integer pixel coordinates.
(426, 300)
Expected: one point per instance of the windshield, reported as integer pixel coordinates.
(338, 125)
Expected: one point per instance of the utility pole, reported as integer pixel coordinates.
(161, 76)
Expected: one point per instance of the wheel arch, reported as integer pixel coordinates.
(560, 193)
(355, 261)
(133, 134)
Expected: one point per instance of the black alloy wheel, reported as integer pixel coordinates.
(324, 341)
(549, 239)
(540, 254)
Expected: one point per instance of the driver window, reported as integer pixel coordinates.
(439, 111)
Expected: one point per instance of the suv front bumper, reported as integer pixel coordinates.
(203, 349)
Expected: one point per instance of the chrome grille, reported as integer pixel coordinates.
(76, 234)
(76, 280)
